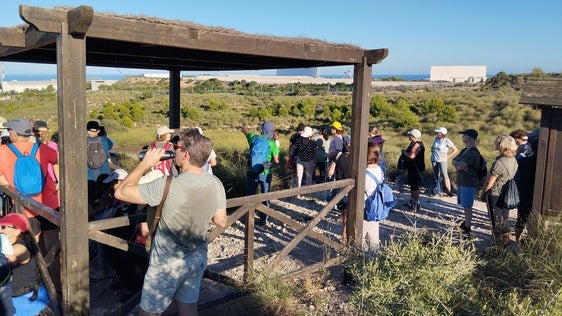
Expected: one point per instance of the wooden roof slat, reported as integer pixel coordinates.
(543, 92)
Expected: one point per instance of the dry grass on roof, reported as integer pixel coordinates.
(217, 29)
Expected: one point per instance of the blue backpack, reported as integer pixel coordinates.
(259, 152)
(28, 176)
(380, 202)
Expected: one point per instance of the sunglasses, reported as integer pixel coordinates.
(176, 146)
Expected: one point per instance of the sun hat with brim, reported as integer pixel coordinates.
(337, 125)
(117, 174)
(470, 132)
(441, 130)
(307, 132)
(20, 125)
(163, 130)
(415, 132)
(266, 129)
(17, 220)
(377, 139)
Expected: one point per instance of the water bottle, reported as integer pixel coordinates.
(168, 154)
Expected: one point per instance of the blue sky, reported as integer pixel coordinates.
(514, 36)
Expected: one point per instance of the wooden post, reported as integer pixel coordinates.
(359, 135)
(175, 102)
(72, 112)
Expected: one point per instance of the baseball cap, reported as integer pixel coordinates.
(377, 139)
(5, 133)
(93, 126)
(337, 125)
(266, 129)
(163, 129)
(470, 132)
(39, 124)
(441, 130)
(17, 220)
(307, 132)
(415, 132)
(117, 174)
(20, 125)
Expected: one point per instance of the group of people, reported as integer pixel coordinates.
(23, 232)
(196, 197)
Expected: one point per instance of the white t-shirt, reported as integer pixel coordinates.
(6, 246)
(370, 184)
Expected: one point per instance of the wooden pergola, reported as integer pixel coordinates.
(73, 38)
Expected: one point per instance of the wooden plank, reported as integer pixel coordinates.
(300, 236)
(72, 113)
(116, 242)
(543, 92)
(360, 127)
(299, 227)
(12, 36)
(249, 246)
(120, 221)
(275, 195)
(46, 20)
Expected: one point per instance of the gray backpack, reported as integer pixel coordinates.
(96, 153)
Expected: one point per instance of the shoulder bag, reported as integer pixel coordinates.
(509, 194)
(153, 215)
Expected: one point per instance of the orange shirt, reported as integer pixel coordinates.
(45, 155)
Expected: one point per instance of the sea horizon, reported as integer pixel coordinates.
(52, 77)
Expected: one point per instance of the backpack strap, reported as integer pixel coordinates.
(15, 150)
(34, 150)
(372, 176)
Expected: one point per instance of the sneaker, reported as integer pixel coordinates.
(466, 230)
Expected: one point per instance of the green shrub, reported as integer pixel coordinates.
(416, 275)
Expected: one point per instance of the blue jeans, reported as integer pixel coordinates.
(6, 304)
(264, 181)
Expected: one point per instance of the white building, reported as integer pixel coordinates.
(470, 74)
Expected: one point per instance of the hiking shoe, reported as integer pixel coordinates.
(466, 230)
(450, 193)
(411, 204)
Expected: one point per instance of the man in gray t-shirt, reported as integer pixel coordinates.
(178, 256)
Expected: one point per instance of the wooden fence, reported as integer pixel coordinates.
(242, 206)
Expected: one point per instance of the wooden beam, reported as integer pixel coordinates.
(79, 20)
(375, 56)
(72, 113)
(175, 99)
(12, 37)
(360, 127)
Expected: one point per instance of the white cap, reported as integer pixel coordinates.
(441, 130)
(307, 132)
(415, 132)
(117, 174)
(5, 133)
(162, 130)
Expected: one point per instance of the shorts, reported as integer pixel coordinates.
(179, 278)
(465, 196)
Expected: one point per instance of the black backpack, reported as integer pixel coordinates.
(482, 170)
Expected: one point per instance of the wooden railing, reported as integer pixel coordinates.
(245, 206)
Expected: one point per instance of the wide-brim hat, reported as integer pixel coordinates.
(415, 132)
(163, 130)
(307, 132)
